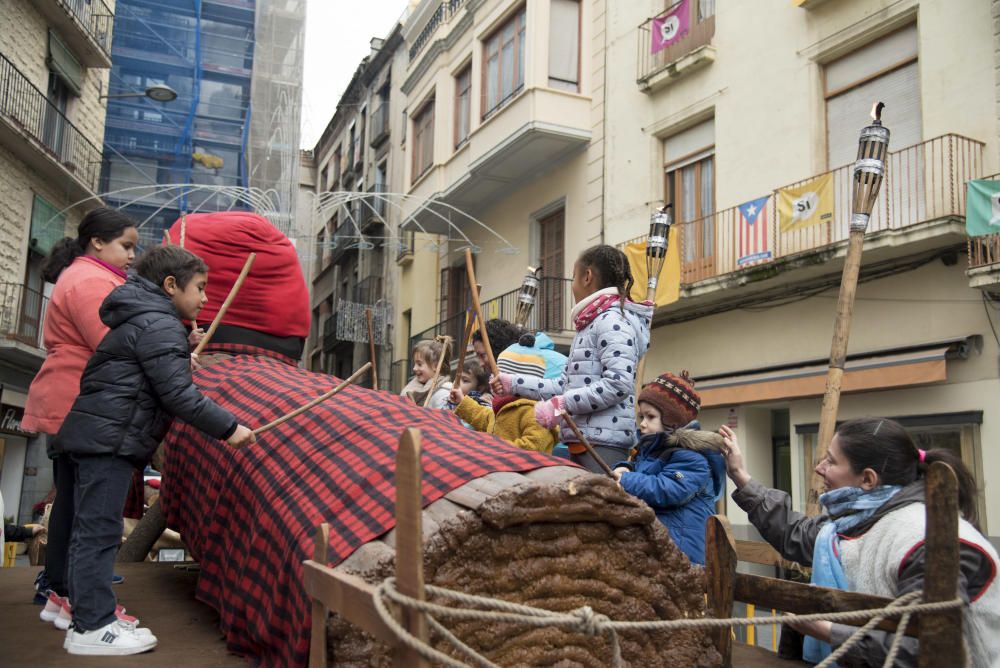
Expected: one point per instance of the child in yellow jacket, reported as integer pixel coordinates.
(512, 418)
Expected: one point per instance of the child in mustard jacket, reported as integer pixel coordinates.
(512, 418)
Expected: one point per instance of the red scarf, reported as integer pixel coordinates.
(500, 402)
(594, 309)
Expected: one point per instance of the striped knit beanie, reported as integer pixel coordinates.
(523, 362)
(674, 397)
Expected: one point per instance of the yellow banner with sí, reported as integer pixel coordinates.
(669, 289)
(806, 205)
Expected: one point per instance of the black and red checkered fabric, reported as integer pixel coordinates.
(249, 516)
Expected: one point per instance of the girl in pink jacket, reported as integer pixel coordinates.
(85, 270)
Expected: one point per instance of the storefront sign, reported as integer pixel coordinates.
(10, 420)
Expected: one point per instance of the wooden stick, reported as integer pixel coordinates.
(166, 238)
(474, 289)
(409, 545)
(720, 573)
(838, 358)
(470, 320)
(184, 224)
(318, 400)
(317, 643)
(445, 344)
(590, 448)
(225, 305)
(940, 639)
(371, 347)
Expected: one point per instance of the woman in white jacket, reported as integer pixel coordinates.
(871, 537)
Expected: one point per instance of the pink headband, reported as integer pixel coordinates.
(921, 455)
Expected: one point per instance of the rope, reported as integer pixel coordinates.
(590, 623)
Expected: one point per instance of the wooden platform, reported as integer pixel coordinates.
(159, 594)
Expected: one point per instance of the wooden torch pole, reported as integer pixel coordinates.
(474, 289)
(371, 347)
(869, 171)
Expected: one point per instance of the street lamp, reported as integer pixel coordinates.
(869, 171)
(156, 92)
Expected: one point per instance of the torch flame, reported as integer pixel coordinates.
(877, 111)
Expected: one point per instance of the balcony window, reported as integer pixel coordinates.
(885, 70)
(423, 139)
(463, 105)
(564, 45)
(690, 187)
(503, 75)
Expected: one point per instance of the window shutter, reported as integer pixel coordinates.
(47, 227)
(564, 44)
(65, 65)
(684, 145)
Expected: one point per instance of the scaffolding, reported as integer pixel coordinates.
(236, 66)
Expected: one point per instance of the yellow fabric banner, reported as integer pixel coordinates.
(806, 205)
(669, 289)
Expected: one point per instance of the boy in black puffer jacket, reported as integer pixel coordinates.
(139, 378)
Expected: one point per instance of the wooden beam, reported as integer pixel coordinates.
(347, 595)
(317, 641)
(758, 552)
(409, 545)
(940, 637)
(720, 571)
(804, 599)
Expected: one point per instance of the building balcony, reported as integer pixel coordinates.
(550, 315)
(380, 125)
(85, 26)
(438, 14)
(530, 135)
(689, 53)
(920, 208)
(22, 314)
(369, 290)
(984, 260)
(40, 135)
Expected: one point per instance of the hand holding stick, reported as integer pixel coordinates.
(474, 289)
(225, 305)
(445, 344)
(590, 449)
(318, 400)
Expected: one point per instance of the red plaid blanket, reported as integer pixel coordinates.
(249, 516)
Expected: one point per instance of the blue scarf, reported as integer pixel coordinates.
(847, 507)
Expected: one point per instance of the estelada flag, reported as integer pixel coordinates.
(670, 26)
(806, 205)
(669, 288)
(982, 208)
(752, 233)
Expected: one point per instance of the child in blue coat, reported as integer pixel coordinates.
(678, 470)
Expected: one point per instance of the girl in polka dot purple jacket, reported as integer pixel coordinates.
(597, 387)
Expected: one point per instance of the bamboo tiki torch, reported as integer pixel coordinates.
(527, 296)
(869, 171)
(371, 347)
(656, 257)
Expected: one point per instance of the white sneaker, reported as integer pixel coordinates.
(116, 639)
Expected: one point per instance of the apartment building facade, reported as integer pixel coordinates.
(357, 167)
(505, 123)
(54, 60)
(755, 103)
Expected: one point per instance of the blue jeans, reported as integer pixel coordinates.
(101, 484)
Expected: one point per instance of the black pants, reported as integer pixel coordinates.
(60, 525)
(101, 484)
(611, 456)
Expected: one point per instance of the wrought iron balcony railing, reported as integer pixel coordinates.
(923, 182)
(26, 107)
(551, 312)
(96, 18)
